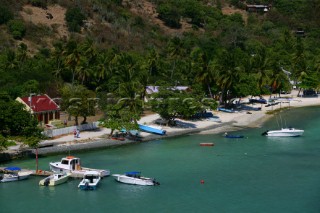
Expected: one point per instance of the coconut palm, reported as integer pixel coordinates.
(72, 58)
(226, 71)
(200, 64)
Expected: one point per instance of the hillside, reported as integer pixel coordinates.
(47, 25)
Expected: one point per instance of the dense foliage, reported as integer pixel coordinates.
(16, 121)
(75, 18)
(221, 55)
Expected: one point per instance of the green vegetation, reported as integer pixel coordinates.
(218, 56)
(16, 121)
(5, 14)
(74, 18)
(17, 29)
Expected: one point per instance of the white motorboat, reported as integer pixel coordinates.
(90, 180)
(284, 132)
(71, 164)
(14, 174)
(55, 179)
(135, 178)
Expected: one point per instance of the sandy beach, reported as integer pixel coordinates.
(228, 122)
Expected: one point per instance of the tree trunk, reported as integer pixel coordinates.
(111, 133)
(299, 92)
(76, 120)
(84, 120)
(209, 91)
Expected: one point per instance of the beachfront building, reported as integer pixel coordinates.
(42, 107)
(258, 8)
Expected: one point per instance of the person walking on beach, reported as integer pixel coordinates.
(78, 133)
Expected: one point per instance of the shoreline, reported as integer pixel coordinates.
(93, 140)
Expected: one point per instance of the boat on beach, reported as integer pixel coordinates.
(135, 178)
(284, 132)
(152, 129)
(71, 164)
(55, 179)
(90, 180)
(225, 110)
(14, 174)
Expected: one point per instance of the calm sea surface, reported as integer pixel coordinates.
(256, 174)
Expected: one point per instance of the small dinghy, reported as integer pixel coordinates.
(55, 179)
(226, 135)
(135, 178)
(206, 144)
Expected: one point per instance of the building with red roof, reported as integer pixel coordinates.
(41, 106)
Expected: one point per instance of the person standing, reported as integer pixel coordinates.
(75, 133)
(78, 133)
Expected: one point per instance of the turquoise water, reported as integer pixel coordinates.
(255, 174)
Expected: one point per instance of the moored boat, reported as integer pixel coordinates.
(233, 136)
(55, 179)
(206, 144)
(90, 180)
(284, 132)
(71, 164)
(135, 178)
(14, 174)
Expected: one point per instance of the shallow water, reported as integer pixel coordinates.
(255, 174)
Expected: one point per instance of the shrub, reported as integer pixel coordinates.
(5, 15)
(74, 18)
(39, 3)
(170, 15)
(17, 29)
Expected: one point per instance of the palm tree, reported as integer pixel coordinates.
(58, 59)
(260, 64)
(200, 63)
(226, 72)
(72, 58)
(88, 60)
(175, 51)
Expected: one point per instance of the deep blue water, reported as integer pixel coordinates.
(255, 174)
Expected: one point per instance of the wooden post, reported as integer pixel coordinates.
(37, 160)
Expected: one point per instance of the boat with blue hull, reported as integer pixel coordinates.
(152, 129)
(90, 180)
(234, 136)
(227, 135)
(225, 110)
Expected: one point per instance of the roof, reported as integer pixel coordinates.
(155, 89)
(40, 103)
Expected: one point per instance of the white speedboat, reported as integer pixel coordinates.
(55, 179)
(14, 174)
(135, 178)
(284, 132)
(90, 180)
(71, 164)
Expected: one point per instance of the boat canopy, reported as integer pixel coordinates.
(13, 168)
(133, 173)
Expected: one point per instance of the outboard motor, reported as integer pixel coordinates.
(46, 182)
(156, 183)
(86, 186)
